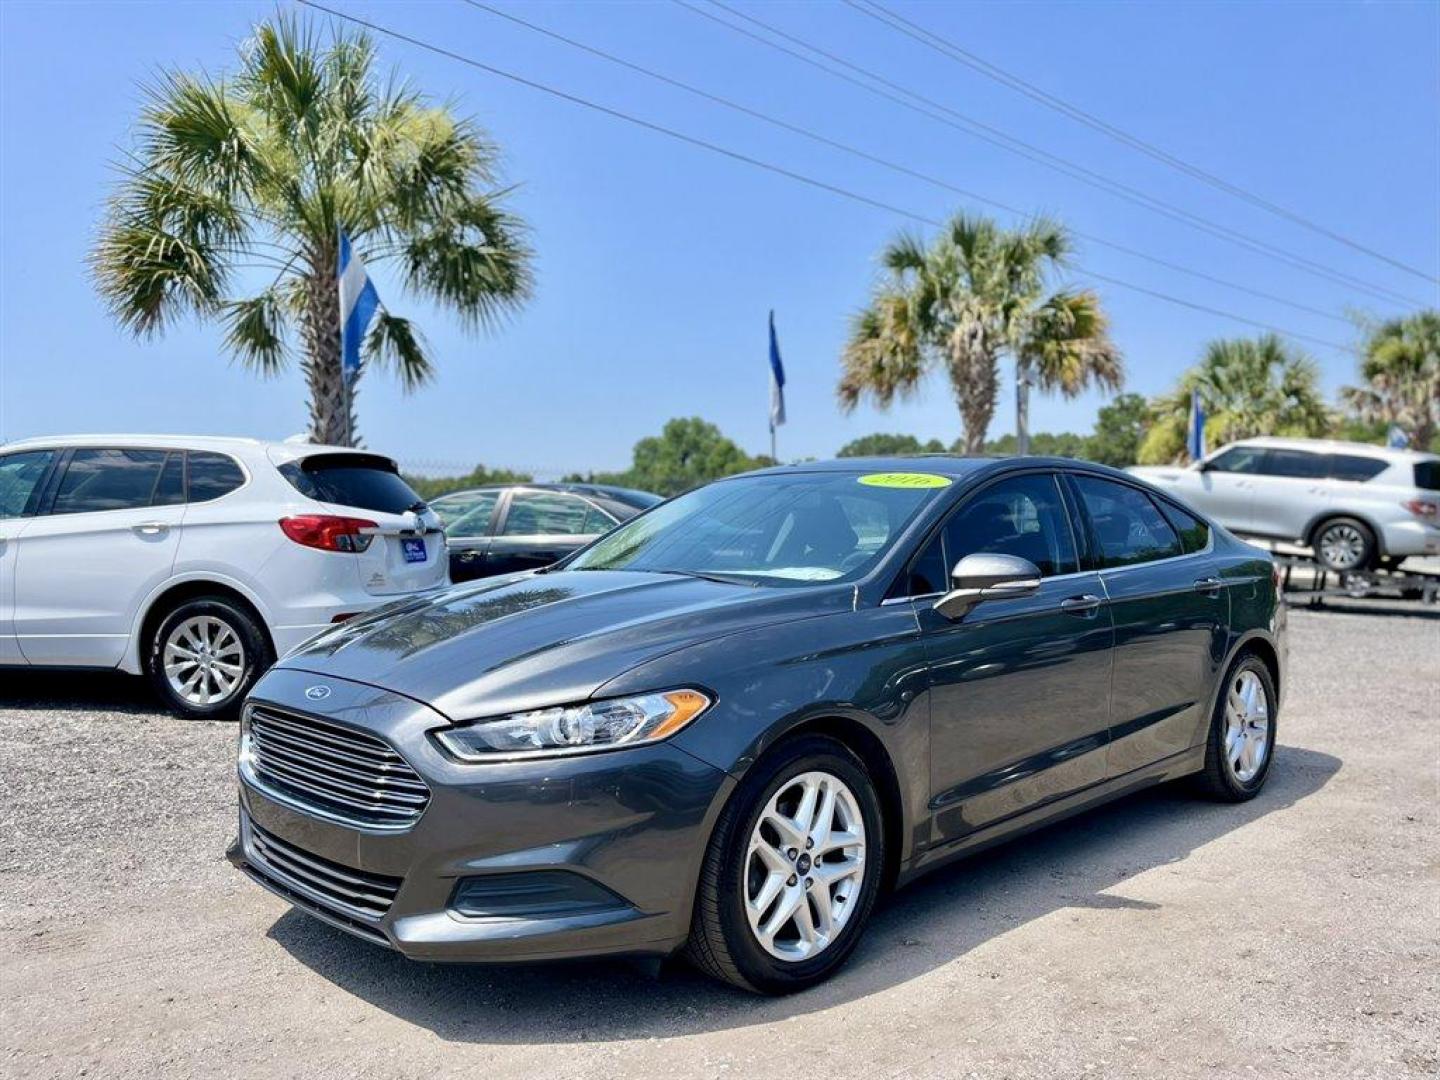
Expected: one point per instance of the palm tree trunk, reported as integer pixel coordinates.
(1022, 407)
(975, 380)
(332, 408)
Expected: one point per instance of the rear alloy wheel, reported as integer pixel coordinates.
(205, 656)
(1345, 545)
(792, 870)
(1242, 733)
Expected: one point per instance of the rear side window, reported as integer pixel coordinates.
(1128, 527)
(1194, 533)
(545, 513)
(1300, 464)
(20, 476)
(1427, 475)
(362, 481)
(103, 479)
(1355, 467)
(170, 488)
(212, 475)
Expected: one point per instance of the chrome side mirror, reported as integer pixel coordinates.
(981, 577)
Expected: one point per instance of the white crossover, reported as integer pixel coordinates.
(1356, 505)
(198, 560)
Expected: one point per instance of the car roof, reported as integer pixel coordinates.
(277, 450)
(951, 465)
(1336, 446)
(616, 494)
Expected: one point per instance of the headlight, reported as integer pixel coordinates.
(575, 729)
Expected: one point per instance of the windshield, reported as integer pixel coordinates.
(777, 529)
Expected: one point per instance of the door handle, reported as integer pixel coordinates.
(1209, 585)
(1080, 605)
(151, 528)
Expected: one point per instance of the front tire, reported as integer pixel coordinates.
(792, 871)
(1345, 545)
(1241, 744)
(205, 655)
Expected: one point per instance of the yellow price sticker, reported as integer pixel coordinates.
(904, 480)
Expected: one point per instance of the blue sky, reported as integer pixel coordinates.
(658, 261)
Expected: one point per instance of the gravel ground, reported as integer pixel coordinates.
(1294, 936)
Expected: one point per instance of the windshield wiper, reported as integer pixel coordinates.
(723, 579)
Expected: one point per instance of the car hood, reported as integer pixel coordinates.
(522, 642)
(1156, 472)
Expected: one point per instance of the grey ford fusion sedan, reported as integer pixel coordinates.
(732, 723)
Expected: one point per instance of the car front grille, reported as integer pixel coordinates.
(341, 890)
(335, 772)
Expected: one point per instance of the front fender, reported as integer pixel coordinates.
(845, 673)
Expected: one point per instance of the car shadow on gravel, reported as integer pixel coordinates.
(940, 918)
(103, 691)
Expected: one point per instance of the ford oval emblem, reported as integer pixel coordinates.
(317, 693)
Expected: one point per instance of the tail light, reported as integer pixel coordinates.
(1277, 577)
(328, 532)
(1423, 508)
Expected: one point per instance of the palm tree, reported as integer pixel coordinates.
(1401, 365)
(960, 304)
(1248, 387)
(232, 204)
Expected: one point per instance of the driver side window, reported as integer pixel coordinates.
(1022, 516)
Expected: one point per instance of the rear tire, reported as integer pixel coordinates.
(1241, 743)
(724, 942)
(1345, 545)
(205, 655)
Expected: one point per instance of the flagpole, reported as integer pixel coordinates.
(773, 456)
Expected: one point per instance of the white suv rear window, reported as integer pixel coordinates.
(364, 481)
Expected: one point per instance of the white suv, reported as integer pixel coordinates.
(1355, 504)
(198, 560)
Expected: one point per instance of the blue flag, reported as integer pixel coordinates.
(1195, 444)
(777, 380)
(1396, 439)
(358, 301)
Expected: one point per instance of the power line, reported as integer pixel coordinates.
(778, 170)
(978, 129)
(889, 164)
(929, 38)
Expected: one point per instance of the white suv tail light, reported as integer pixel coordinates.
(329, 532)
(1423, 508)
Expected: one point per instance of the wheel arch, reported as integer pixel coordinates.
(857, 737)
(1331, 514)
(165, 599)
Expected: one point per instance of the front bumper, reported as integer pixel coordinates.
(592, 855)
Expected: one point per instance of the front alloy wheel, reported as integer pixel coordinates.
(792, 870)
(804, 866)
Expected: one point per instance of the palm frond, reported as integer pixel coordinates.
(256, 331)
(394, 343)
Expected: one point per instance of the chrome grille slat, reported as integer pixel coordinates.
(338, 773)
(345, 776)
(288, 778)
(351, 892)
(326, 733)
(396, 768)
